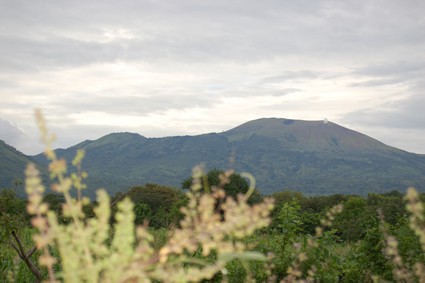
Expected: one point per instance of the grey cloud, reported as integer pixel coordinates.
(408, 114)
(7, 84)
(263, 91)
(291, 75)
(284, 91)
(131, 105)
(34, 54)
(18, 139)
(409, 73)
(202, 30)
(8, 132)
(391, 69)
(381, 82)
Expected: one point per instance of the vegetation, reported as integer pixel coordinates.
(336, 256)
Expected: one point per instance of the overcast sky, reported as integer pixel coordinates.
(162, 68)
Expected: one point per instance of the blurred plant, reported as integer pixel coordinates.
(403, 272)
(289, 223)
(88, 252)
(300, 270)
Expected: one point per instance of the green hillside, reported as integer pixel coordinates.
(12, 167)
(313, 157)
(322, 158)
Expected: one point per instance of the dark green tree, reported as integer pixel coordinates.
(355, 220)
(143, 213)
(289, 222)
(156, 204)
(236, 184)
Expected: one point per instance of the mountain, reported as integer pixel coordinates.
(314, 157)
(12, 168)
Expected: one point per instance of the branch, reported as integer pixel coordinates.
(31, 252)
(21, 248)
(26, 256)
(15, 248)
(119, 198)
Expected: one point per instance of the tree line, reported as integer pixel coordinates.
(295, 218)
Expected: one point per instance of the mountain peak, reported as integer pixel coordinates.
(305, 135)
(316, 157)
(120, 137)
(274, 122)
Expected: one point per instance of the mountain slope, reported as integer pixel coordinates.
(317, 157)
(12, 167)
(314, 157)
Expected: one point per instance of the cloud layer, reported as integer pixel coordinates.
(187, 67)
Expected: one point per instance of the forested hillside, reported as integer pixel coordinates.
(12, 167)
(313, 157)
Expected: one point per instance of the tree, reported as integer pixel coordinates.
(287, 196)
(289, 221)
(234, 184)
(155, 196)
(142, 213)
(355, 220)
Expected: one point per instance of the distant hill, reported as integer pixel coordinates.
(314, 157)
(12, 168)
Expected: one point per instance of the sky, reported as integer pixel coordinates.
(187, 67)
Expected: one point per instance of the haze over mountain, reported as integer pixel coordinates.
(315, 157)
(12, 135)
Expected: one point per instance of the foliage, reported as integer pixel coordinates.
(369, 255)
(288, 196)
(402, 271)
(14, 238)
(142, 213)
(13, 216)
(391, 205)
(158, 205)
(235, 184)
(355, 220)
(289, 222)
(155, 196)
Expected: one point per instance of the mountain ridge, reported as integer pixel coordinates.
(315, 157)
